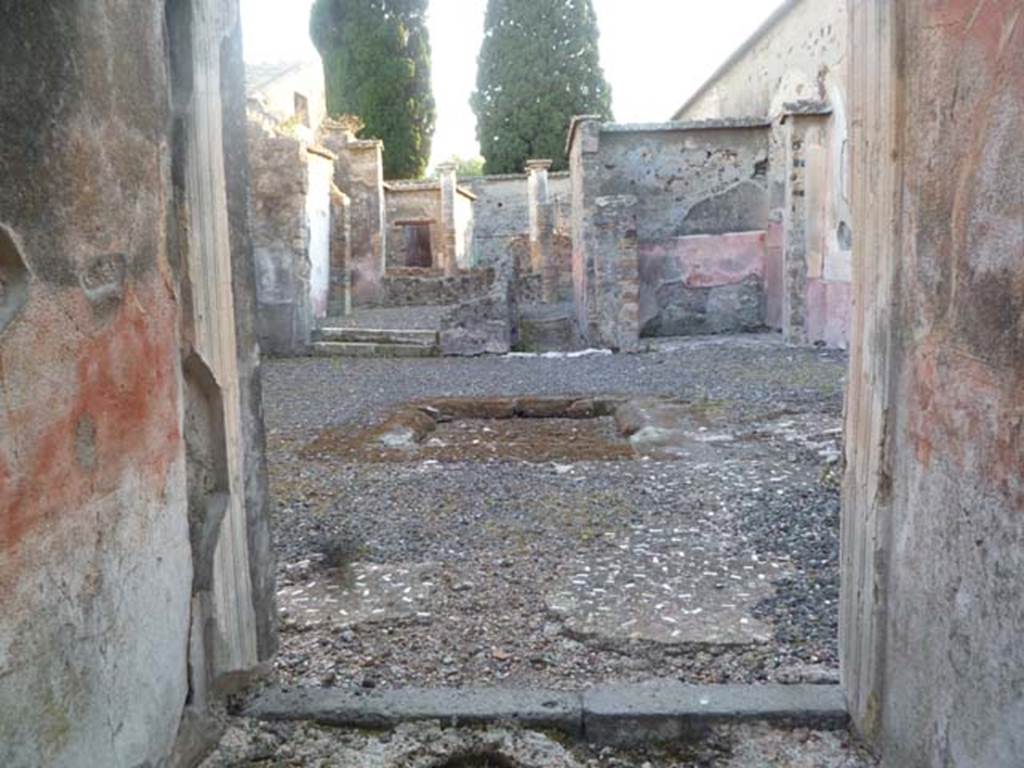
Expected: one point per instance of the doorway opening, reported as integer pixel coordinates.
(417, 251)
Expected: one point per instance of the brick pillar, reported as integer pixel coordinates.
(794, 225)
(449, 189)
(542, 257)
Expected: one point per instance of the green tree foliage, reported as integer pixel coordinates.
(538, 67)
(376, 56)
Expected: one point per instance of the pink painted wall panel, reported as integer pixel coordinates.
(829, 312)
(697, 262)
(707, 261)
(773, 276)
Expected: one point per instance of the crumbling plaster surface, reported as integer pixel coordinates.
(690, 182)
(318, 219)
(799, 58)
(502, 213)
(244, 299)
(703, 284)
(93, 530)
(465, 222)
(933, 536)
(211, 329)
(359, 173)
(280, 182)
(290, 216)
(96, 568)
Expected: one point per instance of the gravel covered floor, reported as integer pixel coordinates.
(718, 564)
(428, 745)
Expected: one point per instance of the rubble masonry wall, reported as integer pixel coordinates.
(799, 57)
(701, 215)
(503, 212)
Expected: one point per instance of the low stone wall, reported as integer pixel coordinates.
(485, 324)
(410, 287)
(702, 284)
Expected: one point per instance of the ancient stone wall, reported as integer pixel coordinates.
(134, 549)
(933, 535)
(275, 85)
(290, 219)
(502, 220)
(701, 211)
(799, 55)
(411, 287)
(409, 205)
(359, 173)
(796, 61)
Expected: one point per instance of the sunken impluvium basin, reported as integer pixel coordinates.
(533, 429)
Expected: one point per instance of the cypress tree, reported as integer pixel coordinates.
(538, 67)
(376, 56)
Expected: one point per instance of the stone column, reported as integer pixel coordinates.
(542, 229)
(449, 189)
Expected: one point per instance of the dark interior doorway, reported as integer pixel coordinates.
(417, 251)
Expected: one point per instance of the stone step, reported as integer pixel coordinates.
(548, 328)
(406, 337)
(620, 715)
(367, 349)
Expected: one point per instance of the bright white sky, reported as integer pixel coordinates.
(655, 52)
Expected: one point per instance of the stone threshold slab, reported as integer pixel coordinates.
(420, 337)
(621, 715)
(366, 349)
